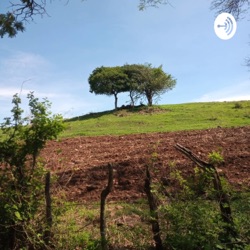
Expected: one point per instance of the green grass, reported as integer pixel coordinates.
(164, 118)
(182, 222)
(78, 226)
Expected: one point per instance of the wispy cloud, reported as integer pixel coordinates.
(237, 92)
(23, 63)
(9, 92)
(25, 72)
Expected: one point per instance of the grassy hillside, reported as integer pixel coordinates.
(161, 119)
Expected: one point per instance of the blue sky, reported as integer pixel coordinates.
(57, 53)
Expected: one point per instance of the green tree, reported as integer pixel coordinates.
(133, 74)
(9, 25)
(108, 81)
(20, 12)
(149, 82)
(21, 174)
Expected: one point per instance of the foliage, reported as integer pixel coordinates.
(22, 11)
(215, 158)
(191, 225)
(78, 226)
(108, 81)
(73, 227)
(186, 223)
(147, 81)
(241, 210)
(191, 219)
(137, 79)
(9, 25)
(151, 3)
(133, 72)
(21, 182)
(236, 7)
(238, 105)
(151, 82)
(196, 225)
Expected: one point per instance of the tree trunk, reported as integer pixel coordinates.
(116, 100)
(153, 211)
(132, 99)
(104, 195)
(149, 96)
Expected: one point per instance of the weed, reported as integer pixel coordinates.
(213, 119)
(247, 115)
(238, 105)
(215, 158)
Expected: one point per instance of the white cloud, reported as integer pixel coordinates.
(20, 67)
(22, 62)
(235, 92)
(68, 93)
(21, 73)
(9, 92)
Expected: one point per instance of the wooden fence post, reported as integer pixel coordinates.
(104, 195)
(47, 233)
(153, 211)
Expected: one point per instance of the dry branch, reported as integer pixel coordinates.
(222, 197)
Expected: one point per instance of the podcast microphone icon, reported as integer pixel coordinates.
(228, 23)
(228, 26)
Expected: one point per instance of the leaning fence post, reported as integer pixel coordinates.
(104, 195)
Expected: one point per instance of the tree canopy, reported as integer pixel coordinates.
(108, 81)
(20, 13)
(140, 80)
(237, 8)
(147, 81)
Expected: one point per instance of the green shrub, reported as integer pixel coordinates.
(241, 212)
(191, 219)
(238, 105)
(21, 174)
(192, 225)
(215, 158)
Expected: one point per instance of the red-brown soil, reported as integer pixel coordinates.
(81, 163)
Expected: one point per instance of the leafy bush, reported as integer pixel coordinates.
(191, 225)
(241, 211)
(21, 173)
(191, 219)
(238, 105)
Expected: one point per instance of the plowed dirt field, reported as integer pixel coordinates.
(81, 163)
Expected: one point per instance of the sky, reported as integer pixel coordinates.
(56, 54)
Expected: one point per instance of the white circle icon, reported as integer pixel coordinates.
(225, 26)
